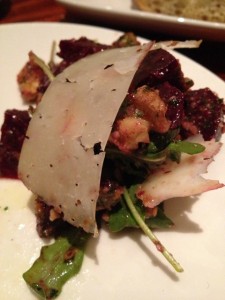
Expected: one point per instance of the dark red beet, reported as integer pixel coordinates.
(12, 137)
(73, 50)
(174, 99)
(157, 67)
(205, 110)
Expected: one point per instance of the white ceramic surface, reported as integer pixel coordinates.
(120, 266)
(122, 12)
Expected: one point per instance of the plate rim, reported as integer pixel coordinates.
(44, 24)
(161, 20)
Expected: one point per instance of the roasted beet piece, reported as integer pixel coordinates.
(174, 99)
(49, 223)
(204, 111)
(13, 133)
(157, 67)
(73, 50)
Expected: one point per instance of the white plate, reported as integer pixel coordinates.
(116, 266)
(122, 12)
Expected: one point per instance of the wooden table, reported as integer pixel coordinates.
(210, 54)
(34, 10)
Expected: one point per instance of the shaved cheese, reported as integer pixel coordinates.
(172, 180)
(168, 45)
(58, 161)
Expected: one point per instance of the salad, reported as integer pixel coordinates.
(159, 148)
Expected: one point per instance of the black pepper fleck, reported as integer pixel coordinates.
(108, 66)
(97, 148)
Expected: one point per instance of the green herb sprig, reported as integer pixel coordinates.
(140, 221)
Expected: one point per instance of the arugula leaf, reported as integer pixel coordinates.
(159, 246)
(159, 221)
(57, 263)
(161, 141)
(138, 163)
(172, 151)
(121, 217)
(176, 148)
(186, 147)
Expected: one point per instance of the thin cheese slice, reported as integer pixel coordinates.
(172, 180)
(58, 161)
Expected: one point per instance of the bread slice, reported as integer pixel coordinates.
(169, 7)
(208, 10)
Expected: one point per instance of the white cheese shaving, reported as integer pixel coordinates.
(57, 161)
(172, 180)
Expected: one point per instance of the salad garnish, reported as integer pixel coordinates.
(57, 263)
(154, 132)
(150, 234)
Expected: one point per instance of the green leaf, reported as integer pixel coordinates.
(186, 147)
(57, 263)
(121, 217)
(152, 148)
(159, 221)
(161, 141)
(176, 148)
(149, 233)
